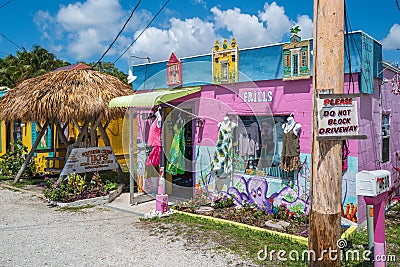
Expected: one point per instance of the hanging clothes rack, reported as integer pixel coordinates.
(187, 112)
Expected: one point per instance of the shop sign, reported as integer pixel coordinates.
(90, 159)
(256, 95)
(337, 116)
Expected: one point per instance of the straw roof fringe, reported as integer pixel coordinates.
(68, 95)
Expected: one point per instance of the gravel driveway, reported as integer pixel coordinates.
(34, 234)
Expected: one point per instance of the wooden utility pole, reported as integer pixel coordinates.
(326, 163)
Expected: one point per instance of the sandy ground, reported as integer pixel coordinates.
(34, 234)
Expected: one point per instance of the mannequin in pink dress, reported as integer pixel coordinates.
(155, 141)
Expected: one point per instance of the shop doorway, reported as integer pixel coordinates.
(178, 154)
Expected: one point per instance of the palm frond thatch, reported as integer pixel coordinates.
(64, 96)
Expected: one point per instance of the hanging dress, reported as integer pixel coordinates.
(176, 164)
(154, 141)
(290, 159)
(222, 163)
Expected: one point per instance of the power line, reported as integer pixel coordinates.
(116, 37)
(5, 37)
(6, 3)
(397, 3)
(148, 25)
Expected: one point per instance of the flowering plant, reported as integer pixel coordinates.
(76, 187)
(55, 190)
(282, 212)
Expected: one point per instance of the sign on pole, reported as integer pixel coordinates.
(338, 117)
(90, 159)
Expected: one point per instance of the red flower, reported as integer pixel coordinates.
(271, 200)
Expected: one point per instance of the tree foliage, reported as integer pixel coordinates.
(295, 30)
(27, 64)
(109, 68)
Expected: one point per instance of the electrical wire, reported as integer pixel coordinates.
(148, 25)
(6, 3)
(8, 39)
(358, 49)
(347, 47)
(119, 33)
(397, 3)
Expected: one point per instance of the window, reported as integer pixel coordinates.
(304, 58)
(295, 64)
(385, 137)
(233, 58)
(257, 146)
(287, 59)
(224, 70)
(17, 132)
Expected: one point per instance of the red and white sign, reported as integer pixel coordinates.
(337, 116)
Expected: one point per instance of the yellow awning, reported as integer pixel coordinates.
(153, 98)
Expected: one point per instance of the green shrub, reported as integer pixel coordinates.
(76, 187)
(11, 162)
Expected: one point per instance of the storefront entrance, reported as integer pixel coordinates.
(178, 153)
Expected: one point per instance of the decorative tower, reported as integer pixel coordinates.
(296, 57)
(225, 61)
(174, 71)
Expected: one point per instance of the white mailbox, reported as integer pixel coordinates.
(372, 183)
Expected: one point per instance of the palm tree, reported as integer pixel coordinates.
(295, 30)
(27, 64)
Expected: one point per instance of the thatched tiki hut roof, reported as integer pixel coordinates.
(64, 96)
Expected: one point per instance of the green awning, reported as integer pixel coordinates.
(153, 98)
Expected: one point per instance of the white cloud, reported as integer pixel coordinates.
(196, 36)
(184, 37)
(246, 28)
(278, 24)
(84, 30)
(306, 26)
(84, 43)
(270, 26)
(102, 14)
(201, 2)
(392, 40)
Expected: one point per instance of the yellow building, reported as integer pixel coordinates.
(225, 61)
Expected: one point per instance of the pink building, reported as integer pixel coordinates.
(244, 159)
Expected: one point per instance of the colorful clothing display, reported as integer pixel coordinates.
(154, 135)
(176, 164)
(154, 157)
(290, 159)
(154, 141)
(222, 163)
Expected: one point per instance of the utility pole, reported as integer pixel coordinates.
(326, 159)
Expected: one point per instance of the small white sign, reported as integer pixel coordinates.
(90, 159)
(337, 116)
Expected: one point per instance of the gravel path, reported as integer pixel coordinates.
(34, 234)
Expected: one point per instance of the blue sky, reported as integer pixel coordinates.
(82, 31)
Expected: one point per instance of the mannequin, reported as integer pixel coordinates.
(155, 140)
(291, 124)
(222, 164)
(176, 160)
(290, 159)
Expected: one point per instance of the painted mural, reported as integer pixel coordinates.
(268, 192)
